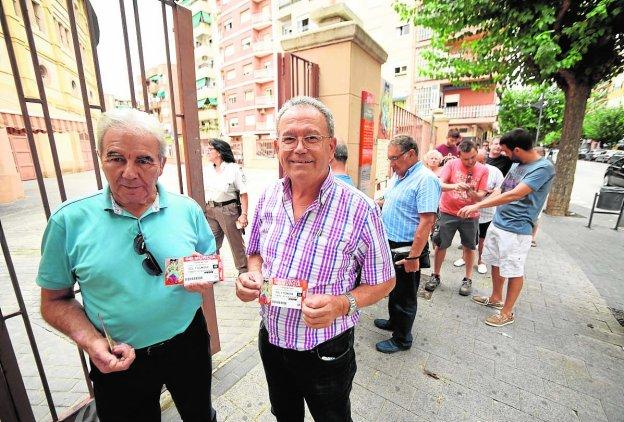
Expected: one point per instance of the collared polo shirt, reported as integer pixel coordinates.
(418, 191)
(223, 186)
(338, 235)
(91, 241)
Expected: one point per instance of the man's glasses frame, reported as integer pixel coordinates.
(150, 265)
(396, 157)
(309, 141)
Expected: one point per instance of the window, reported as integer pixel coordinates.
(247, 69)
(232, 99)
(402, 30)
(249, 95)
(45, 76)
(227, 25)
(400, 70)
(451, 100)
(423, 33)
(286, 28)
(250, 120)
(234, 122)
(246, 43)
(302, 25)
(16, 7)
(231, 74)
(39, 16)
(229, 50)
(74, 85)
(245, 16)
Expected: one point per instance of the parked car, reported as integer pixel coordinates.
(614, 175)
(604, 157)
(582, 152)
(591, 155)
(615, 157)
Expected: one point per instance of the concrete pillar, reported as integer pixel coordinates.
(10, 182)
(349, 62)
(441, 124)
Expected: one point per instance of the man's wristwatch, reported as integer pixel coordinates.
(352, 304)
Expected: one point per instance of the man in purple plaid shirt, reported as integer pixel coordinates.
(310, 231)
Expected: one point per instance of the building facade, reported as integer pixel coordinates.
(57, 67)
(247, 62)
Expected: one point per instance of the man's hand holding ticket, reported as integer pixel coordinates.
(195, 273)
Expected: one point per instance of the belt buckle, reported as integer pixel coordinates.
(211, 204)
(153, 348)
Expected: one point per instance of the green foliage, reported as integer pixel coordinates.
(551, 138)
(605, 125)
(518, 108)
(531, 42)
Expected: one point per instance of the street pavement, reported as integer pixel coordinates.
(562, 360)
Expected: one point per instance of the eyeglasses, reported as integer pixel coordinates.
(150, 265)
(309, 141)
(393, 158)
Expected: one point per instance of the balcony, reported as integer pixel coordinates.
(260, 21)
(472, 112)
(262, 48)
(204, 50)
(207, 91)
(207, 114)
(263, 75)
(206, 72)
(265, 101)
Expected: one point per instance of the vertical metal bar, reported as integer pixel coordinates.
(44, 102)
(27, 326)
(183, 30)
(618, 220)
(137, 28)
(124, 26)
(174, 115)
(591, 214)
(85, 371)
(24, 109)
(96, 61)
(83, 89)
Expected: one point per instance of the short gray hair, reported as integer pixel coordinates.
(341, 153)
(304, 101)
(131, 120)
(405, 143)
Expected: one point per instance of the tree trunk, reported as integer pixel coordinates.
(576, 96)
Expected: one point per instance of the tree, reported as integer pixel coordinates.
(605, 125)
(575, 44)
(519, 108)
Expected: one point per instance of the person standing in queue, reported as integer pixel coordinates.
(226, 200)
(321, 247)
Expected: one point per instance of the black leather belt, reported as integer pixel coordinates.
(213, 204)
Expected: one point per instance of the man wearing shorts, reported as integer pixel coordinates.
(508, 239)
(464, 182)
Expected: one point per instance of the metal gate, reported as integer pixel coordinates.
(295, 76)
(14, 400)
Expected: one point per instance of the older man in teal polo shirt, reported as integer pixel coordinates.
(114, 244)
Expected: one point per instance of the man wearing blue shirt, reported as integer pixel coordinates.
(114, 243)
(508, 239)
(339, 164)
(408, 213)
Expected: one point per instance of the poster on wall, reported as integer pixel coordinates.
(367, 127)
(385, 111)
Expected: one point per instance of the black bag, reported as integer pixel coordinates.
(425, 262)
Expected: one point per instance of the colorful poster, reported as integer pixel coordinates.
(385, 111)
(367, 127)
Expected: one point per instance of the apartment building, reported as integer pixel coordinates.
(473, 112)
(205, 33)
(58, 69)
(248, 62)
(377, 18)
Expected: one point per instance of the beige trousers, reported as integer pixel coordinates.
(222, 221)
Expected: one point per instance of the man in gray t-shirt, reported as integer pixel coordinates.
(508, 240)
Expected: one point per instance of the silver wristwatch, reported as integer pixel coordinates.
(352, 304)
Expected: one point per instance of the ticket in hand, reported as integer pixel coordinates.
(193, 269)
(283, 292)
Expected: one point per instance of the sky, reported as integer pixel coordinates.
(111, 52)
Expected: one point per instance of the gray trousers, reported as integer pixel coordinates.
(222, 221)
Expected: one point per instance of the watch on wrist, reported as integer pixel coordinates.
(352, 304)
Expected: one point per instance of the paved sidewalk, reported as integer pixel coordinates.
(561, 361)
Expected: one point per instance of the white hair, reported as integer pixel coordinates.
(131, 120)
(304, 101)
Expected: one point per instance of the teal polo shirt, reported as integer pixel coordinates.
(90, 241)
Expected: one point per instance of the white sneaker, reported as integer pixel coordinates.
(481, 268)
(459, 263)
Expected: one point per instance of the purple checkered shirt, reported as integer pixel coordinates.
(339, 233)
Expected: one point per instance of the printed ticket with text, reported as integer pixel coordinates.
(193, 269)
(283, 292)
